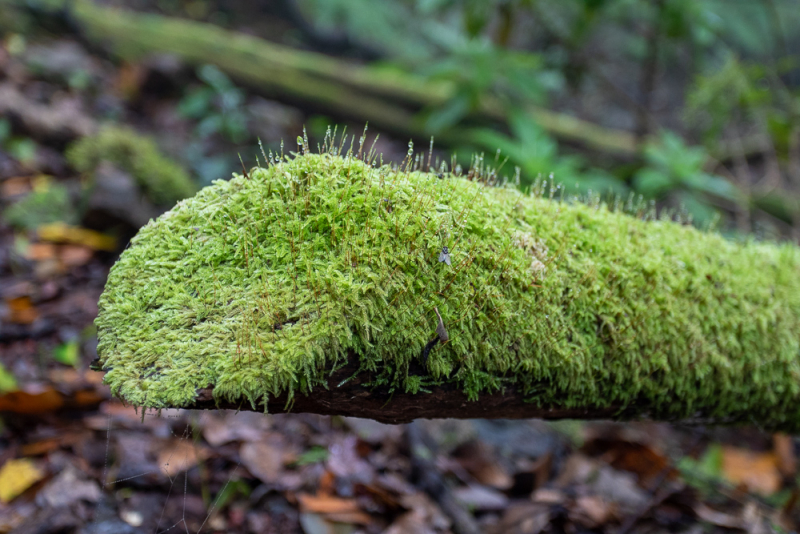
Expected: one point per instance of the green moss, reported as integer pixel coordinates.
(161, 179)
(260, 286)
(48, 204)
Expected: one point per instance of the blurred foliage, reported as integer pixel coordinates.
(674, 170)
(704, 473)
(745, 95)
(18, 147)
(739, 61)
(7, 380)
(217, 105)
(537, 156)
(48, 203)
(218, 108)
(480, 69)
(313, 455)
(67, 353)
(162, 180)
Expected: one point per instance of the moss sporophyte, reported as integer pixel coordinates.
(261, 285)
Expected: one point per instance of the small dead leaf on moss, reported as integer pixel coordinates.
(16, 476)
(758, 471)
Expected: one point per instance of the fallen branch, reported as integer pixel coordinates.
(315, 284)
(349, 393)
(387, 98)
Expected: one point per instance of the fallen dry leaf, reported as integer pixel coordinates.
(21, 310)
(413, 522)
(40, 251)
(218, 430)
(326, 485)
(12, 187)
(345, 463)
(43, 446)
(178, 456)
(350, 518)
(548, 496)
(591, 511)
(32, 399)
(87, 397)
(646, 461)
(784, 451)
(424, 507)
(720, 519)
(481, 498)
(523, 518)
(16, 476)
(75, 255)
(326, 504)
(64, 233)
(481, 462)
(69, 487)
(266, 459)
(757, 471)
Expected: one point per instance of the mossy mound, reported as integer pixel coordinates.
(262, 285)
(162, 180)
(49, 203)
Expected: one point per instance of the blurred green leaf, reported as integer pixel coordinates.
(229, 492)
(312, 456)
(67, 353)
(674, 170)
(21, 148)
(197, 103)
(536, 153)
(5, 129)
(7, 380)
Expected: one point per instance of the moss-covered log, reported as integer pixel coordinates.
(317, 284)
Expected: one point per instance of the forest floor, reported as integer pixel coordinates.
(75, 460)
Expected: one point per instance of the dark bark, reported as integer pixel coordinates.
(446, 401)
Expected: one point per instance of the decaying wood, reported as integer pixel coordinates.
(352, 398)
